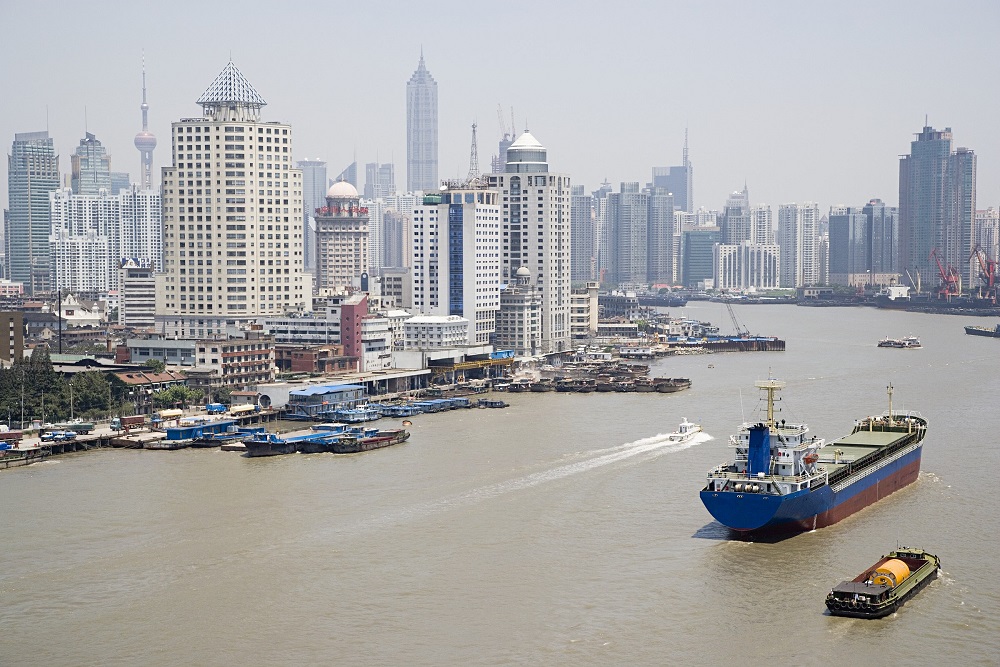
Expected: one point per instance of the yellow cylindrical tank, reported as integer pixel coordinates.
(891, 573)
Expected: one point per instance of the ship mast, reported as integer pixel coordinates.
(889, 391)
(770, 385)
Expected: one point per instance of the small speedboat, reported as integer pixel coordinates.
(686, 431)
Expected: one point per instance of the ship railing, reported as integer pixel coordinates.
(723, 473)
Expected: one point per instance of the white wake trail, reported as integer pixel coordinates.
(654, 446)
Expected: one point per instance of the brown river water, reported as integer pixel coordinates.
(562, 530)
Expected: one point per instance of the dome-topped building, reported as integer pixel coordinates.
(526, 156)
(342, 190)
(341, 239)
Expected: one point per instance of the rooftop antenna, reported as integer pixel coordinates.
(474, 156)
(685, 146)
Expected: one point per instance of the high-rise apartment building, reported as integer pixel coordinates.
(850, 246)
(341, 239)
(91, 167)
(937, 206)
(536, 228)
(232, 216)
(314, 187)
(660, 236)
(736, 220)
(582, 231)
(421, 131)
(456, 257)
(761, 225)
(746, 265)
(627, 224)
(602, 242)
(883, 233)
(987, 232)
(92, 234)
(798, 238)
(32, 173)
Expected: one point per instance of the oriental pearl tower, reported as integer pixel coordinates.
(145, 141)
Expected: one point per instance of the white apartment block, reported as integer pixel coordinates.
(91, 234)
(746, 265)
(232, 216)
(456, 258)
(536, 233)
(797, 237)
(428, 332)
(761, 225)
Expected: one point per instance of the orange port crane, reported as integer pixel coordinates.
(950, 281)
(987, 271)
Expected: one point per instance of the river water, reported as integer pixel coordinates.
(560, 531)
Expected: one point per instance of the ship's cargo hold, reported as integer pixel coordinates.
(891, 573)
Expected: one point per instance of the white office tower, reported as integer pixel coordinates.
(232, 216)
(798, 238)
(761, 225)
(536, 233)
(455, 258)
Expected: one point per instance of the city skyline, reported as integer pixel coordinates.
(734, 98)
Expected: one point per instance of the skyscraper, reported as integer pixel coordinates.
(660, 236)
(678, 180)
(380, 180)
(850, 246)
(144, 140)
(883, 232)
(232, 216)
(32, 173)
(937, 206)
(90, 167)
(421, 130)
(313, 197)
(536, 228)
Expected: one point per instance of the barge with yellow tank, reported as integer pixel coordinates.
(885, 586)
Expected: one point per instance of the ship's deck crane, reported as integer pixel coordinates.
(950, 282)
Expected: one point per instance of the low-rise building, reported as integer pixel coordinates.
(424, 332)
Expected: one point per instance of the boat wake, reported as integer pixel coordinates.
(643, 449)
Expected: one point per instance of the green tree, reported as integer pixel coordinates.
(177, 395)
(155, 365)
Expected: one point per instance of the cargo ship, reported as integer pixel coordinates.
(992, 332)
(783, 480)
(885, 586)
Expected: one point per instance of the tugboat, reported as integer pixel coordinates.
(885, 586)
(784, 480)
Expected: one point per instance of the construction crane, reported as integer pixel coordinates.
(987, 272)
(504, 131)
(951, 284)
(914, 283)
(741, 330)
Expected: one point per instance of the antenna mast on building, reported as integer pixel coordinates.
(474, 157)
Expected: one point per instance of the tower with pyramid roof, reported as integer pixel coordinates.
(232, 219)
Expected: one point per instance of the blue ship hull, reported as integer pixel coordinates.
(810, 509)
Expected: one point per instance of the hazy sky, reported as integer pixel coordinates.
(804, 101)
